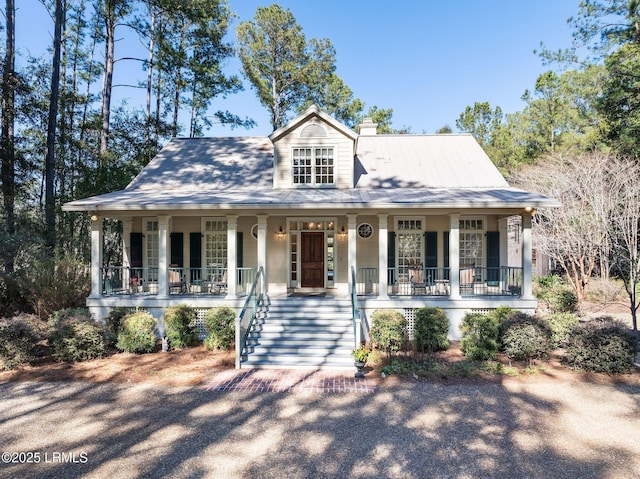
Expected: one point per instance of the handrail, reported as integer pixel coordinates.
(355, 311)
(253, 298)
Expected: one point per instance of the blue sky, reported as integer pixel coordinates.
(425, 59)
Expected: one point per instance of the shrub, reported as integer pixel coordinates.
(11, 299)
(53, 285)
(561, 324)
(179, 326)
(558, 300)
(138, 333)
(219, 324)
(525, 337)
(430, 330)
(114, 324)
(74, 336)
(602, 345)
(19, 338)
(388, 330)
(480, 334)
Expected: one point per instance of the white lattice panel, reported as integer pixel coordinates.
(410, 315)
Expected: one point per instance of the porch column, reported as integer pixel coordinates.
(232, 273)
(527, 259)
(163, 257)
(454, 256)
(383, 260)
(351, 255)
(504, 241)
(262, 248)
(127, 226)
(97, 249)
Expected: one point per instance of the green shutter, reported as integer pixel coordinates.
(391, 257)
(195, 256)
(445, 249)
(493, 257)
(177, 249)
(135, 256)
(431, 249)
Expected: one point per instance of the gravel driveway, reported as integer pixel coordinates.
(541, 429)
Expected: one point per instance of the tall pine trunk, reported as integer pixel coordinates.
(50, 205)
(8, 172)
(107, 81)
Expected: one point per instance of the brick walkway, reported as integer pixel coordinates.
(290, 380)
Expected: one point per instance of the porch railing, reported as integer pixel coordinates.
(355, 310)
(419, 281)
(494, 281)
(247, 316)
(210, 280)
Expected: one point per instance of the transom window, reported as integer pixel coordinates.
(313, 166)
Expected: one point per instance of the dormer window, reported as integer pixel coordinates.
(313, 166)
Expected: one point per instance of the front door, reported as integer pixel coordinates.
(312, 260)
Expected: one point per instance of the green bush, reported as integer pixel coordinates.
(114, 324)
(602, 345)
(219, 323)
(430, 330)
(525, 337)
(19, 338)
(558, 300)
(74, 336)
(179, 326)
(52, 285)
(480, 334)
(388, 330)
(561, 324)
(138, 333)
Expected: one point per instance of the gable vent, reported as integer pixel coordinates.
(313, 131)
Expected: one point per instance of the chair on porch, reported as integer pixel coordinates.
(418, 281)
(177, 284)
(218, 282)
(467, 278)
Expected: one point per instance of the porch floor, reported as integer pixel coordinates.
(291, 380)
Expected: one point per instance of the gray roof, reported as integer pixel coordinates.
(431, 161)
(392, 171)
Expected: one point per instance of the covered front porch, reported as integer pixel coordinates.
(402, 256)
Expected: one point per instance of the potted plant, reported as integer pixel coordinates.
(360, 355)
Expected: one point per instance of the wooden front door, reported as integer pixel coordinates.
(312, 260)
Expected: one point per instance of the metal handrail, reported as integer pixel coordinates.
(253, 298)
(355, 311)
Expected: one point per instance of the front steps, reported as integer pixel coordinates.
(302, 333)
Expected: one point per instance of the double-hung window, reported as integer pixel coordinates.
(313, 166)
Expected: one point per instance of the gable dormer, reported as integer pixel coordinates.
(313, 151)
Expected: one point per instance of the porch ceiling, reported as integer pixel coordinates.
(136, 199)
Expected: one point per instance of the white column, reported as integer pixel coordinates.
(262, 248)
(163, 256)
(383, 260)
(232, 248)
(454, 256)
(527, 270)
(351, 245)
(97, 249)
(127, 226)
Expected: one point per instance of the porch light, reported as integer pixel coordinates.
(530, 209)
(94, 216)
(343, 234)
(280, 234)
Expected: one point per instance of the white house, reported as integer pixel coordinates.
(326, 221)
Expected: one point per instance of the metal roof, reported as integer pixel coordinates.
(138, 200)
(391, 171)
(432, 161)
